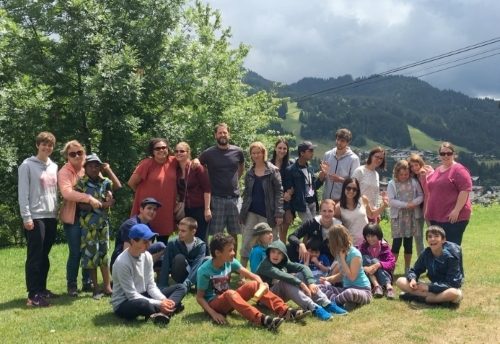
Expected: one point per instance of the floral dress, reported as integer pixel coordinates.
(94, 224)
(406, 224)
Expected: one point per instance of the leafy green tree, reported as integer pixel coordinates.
(113, 74)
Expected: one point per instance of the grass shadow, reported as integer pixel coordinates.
(13, 304)
(109, 319)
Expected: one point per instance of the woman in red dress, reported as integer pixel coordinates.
(155, 177)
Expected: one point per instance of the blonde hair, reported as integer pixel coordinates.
(328, 202)
(68, 145)
(339, 239)
(400, 165)
(189, 222)
(186, 147)
(259, 145)
(416, 158)
(446, 145)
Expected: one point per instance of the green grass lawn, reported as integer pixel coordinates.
(84, 320)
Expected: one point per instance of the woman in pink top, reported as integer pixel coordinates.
(156, 176)
(67, 177)
(419, 170)
(449, 205)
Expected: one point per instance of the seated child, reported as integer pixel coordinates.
(183, 255)
(294, 281)
(217, 299)
(316, 261)
(443, 262)
(378, 260)
(94, 223)
(356, 289)
(263, 234)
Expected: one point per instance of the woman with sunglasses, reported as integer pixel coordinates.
(156, 176)
(354, 209)
(368, 177)
(449, 205)
(193, 188)
(67, 177)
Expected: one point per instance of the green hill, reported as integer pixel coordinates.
(393, 111)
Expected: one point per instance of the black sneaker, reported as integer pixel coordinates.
(47, 294)
(296, 314)
(97, 295)
(37, 301)
(160, 319)
(410, 297)
(180, 307)
(271, 323)
(73, 291)
(87, 288)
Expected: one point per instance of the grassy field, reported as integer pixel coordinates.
(84, 320)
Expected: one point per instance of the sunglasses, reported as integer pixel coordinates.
(446, 153)
(179, 151)
(75, 154)
(350, 188)
(160, 148)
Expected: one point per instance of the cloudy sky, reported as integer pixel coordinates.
(292, 39)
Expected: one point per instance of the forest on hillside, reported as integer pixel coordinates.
(381, 108)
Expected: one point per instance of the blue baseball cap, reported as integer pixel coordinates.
(141, 231)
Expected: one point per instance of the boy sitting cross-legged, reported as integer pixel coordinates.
(294, 281)
(215, 297)
(443, 262)
(183, 256)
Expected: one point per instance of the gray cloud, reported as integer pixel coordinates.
(292, 39)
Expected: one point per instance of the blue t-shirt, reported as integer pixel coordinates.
(257, 255)
(362, 280)
(215, 281)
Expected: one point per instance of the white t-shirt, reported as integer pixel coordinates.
(369, 183)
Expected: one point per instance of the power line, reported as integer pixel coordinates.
(408, 66)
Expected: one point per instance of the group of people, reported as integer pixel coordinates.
(334, 261)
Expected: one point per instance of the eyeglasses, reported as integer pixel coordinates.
(179, 151)
(75, 154)
(160, 148)
(350, 188)
(446, 153)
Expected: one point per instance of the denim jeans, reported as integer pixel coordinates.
(73, 237)
(383, 277)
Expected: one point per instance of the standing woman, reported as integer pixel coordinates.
(281, 159)
(449, 205)
(193, 188)
(262, 198)
(37, 191)
(156, 176)
(353, 210)
(419, 170)
(368, 177)
(67, 177)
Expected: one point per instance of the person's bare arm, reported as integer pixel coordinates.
(217, 317)
(134, 181)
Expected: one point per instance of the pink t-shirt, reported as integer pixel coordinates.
(444, 187)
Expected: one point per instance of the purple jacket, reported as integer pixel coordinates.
(385, 257)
